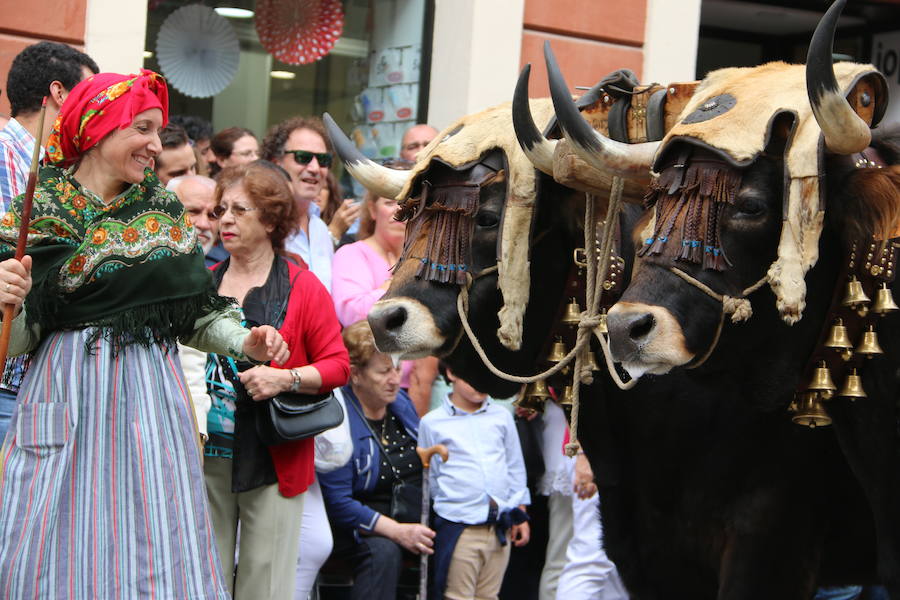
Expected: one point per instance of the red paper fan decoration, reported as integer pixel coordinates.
(299, 32)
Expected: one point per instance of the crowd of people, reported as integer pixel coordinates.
(176, 278)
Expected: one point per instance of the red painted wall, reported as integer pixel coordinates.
(590, 38)
(25, 23)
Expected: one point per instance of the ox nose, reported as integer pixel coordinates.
(388, 322)
(628, 332)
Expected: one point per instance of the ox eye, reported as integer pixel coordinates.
(749, 208)
(487, 219)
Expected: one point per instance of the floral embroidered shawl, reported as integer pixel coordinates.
(132, 267)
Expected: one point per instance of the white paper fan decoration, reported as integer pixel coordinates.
(197, 51)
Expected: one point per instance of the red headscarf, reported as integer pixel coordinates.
(101, 104)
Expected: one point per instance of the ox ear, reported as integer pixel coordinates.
(376, 178)
(845, 120)
(867, 204)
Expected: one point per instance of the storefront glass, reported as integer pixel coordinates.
(369, 81)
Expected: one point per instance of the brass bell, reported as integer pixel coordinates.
(567, 398)
(852, 387)
(821, 381)
(838, 338)
(855, 297)
(869, 345)
(573, 313)
(534, 397)
(810, 412)
(591, 362)
(558, 351)
(602, 327)
(884, 301)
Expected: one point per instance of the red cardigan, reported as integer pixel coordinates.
(313, 334)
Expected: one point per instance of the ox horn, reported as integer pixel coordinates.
(624, 160)
(845, 132)
(376, 178)
(536, 147)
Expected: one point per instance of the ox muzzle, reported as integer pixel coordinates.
(646, 339)
(404, 326)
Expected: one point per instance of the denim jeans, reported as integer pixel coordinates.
(7, 405)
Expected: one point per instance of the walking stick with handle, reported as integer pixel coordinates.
(425, 455)
(9, 309)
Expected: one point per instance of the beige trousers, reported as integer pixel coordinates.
(269, 535)
(478, 564)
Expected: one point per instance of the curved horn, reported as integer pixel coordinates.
(376, 178)
(625, 160)
(536, 147)
(845, 132)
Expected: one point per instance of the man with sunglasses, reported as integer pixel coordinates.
(301, 147)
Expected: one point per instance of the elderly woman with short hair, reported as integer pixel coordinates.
(384, 429)
(263, 487)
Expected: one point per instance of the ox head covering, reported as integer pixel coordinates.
(470, 139)
(733, 113)
(99, 105)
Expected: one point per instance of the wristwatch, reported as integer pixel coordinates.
(295, 384)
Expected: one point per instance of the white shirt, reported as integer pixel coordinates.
(485, 462)
(316, 248)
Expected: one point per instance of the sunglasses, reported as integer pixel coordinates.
(304, 157)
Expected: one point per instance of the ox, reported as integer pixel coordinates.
(708, 490)
(764, 207)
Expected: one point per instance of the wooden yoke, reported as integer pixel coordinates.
(649, 112)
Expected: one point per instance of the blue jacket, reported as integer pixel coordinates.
(360, 474)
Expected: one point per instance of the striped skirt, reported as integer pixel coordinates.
(101, 489)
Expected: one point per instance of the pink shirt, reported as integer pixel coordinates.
(356, 274)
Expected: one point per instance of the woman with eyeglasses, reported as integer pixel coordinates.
(299, 145)
(231, 147)
(261, 487)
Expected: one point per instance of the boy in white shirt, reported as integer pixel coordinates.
(480, 493)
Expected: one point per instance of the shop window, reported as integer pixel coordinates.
(371, 81)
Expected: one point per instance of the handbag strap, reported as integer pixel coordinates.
(278, 321)
(377, 439)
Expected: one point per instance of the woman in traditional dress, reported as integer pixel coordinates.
(101, 488)
(264, 488)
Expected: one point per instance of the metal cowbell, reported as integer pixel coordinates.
(856, 297)
(558, 351)
(869, 345)
(534, 396)
(810, 412)
(567, 398)
(852, 387)
(602, 326)
(573, 313)
(821, 381)
(838, 337)
(884, 301)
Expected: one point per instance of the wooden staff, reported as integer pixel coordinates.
(425, 455)
(9, 309)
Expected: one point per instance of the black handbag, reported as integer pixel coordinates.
(406, 499)
(289, 417)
